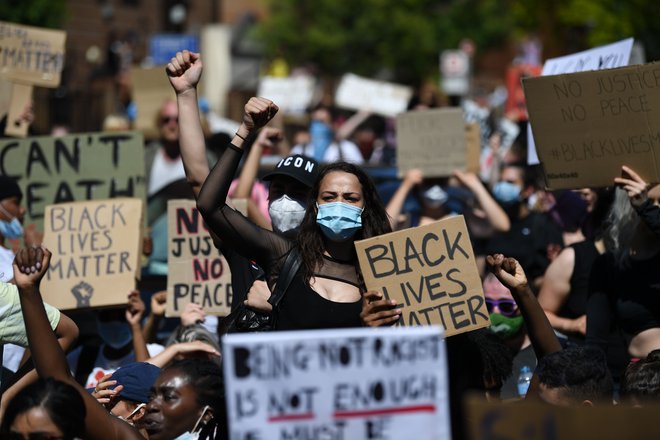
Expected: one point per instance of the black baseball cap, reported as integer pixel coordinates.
(302, 168)
(9, 188)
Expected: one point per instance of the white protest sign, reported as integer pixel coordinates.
(599, 58)
(386, 99)
(389, 383)
(292, 95)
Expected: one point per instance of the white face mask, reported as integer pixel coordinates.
(286, 214)
(127, 419)
(194, 434)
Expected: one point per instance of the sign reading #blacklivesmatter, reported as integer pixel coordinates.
(96, 252)
(337, 384)
(587, 125)
(31, 55)
(433, 141)
(431, 272)
(196, 271)
(83, 166)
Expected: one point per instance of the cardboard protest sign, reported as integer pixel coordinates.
(151, 89)
(292, 95)
(473, 148)
(537, 421)
(602, 57)
(21, 98)
(386, 99)
(196, 271)
(587, 125)
(82, 166)
(431, 273)
(96, 249)
(432, 141)
(337, 384)
(31, 55)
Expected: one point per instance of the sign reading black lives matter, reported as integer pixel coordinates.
(196, 271)
(337, 384)
(88, 166)
(431, 272)
(587, 125)
(96, 252)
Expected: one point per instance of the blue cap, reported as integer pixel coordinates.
(137, 379)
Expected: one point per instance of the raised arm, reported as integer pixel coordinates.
(395, 205)
(30, 266)
(555, 290)
(184, 72)
(231, 227)
(134, 313)
(540, 332)
(494, 212)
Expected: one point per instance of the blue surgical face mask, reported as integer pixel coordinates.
(10, 229)
(506, 192)
(116, 334)
(194, 434)
(322, 136)
(339, 221)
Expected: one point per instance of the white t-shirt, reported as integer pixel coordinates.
(349, 152)
(6, 261)
(164, 170)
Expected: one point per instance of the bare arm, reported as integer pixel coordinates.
(494, 212)
(540, 332)
(184, 72)
(195, 348)
(351, 124)
(555, 290)
(134, 313)
(48, 357)
(395, 205)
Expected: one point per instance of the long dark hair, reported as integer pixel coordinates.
(61, 401)
(374, 218)
(207, 379)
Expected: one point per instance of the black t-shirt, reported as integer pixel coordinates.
(527, 241)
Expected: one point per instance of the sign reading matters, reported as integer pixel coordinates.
(76, 167)
(196, 271)
(431, 272)
(337, 384)
(587, 125)
(96, 252)
(433, 141)
(31, 55)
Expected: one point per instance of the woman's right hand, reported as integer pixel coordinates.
(507, 270)
(184, 71)
(258, 112)
(102, 393)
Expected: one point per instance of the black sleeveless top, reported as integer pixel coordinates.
(576, 303)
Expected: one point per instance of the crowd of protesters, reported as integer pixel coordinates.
(569, 276)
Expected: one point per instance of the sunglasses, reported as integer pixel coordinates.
(167, 119)
(507, 307)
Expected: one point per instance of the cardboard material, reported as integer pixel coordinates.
(76, 167)
(602, 57)
(431, 273)
(196, 271)
(536, 421)
(96, 252)
(337, 384)
(473, 148)
(432, 141)
(21, 97)
(358, 93)
(151, 89)
(293, 95)
(31, 55)
(587, 125)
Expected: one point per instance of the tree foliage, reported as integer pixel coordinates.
(41, 13)
(402, 39)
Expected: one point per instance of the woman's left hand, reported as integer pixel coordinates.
(636, 187)
(377, 312)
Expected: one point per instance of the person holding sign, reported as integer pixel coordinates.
(343, 206)
(625, 282)
(187, 398)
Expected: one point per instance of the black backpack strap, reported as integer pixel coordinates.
(289, 270)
